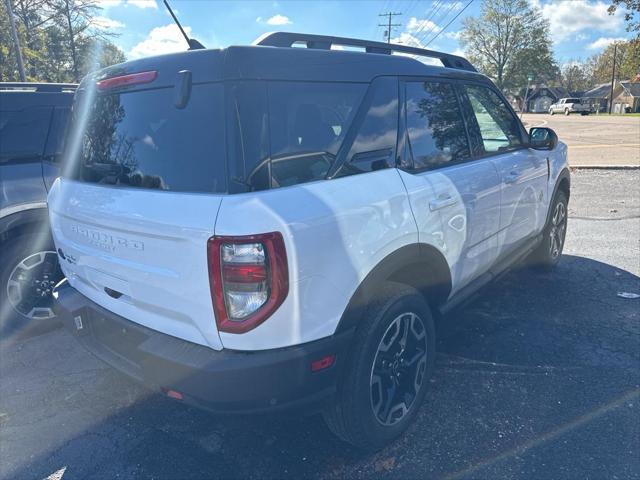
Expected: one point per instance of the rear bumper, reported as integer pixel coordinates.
(222, 381)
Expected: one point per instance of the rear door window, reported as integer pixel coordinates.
(57, 131)
(308, 123)
(23, 134)
(140, 139)
(437, 134)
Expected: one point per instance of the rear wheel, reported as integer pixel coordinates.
(551, 112)
(566, 111)
(548, 253)
(386, 377)
(28, 272)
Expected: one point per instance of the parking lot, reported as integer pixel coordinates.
(595, 140)
(538, 378)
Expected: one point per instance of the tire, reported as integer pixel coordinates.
(548, 253)
(28, 272)
(551, 112)
(363, 415)
(567, 112)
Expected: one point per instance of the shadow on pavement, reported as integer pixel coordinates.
(538, 378)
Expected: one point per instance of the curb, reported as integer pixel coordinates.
(604, 167)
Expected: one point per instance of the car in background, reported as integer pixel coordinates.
(33, 119)
(569, 106)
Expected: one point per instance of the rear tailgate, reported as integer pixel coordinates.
(133, 215)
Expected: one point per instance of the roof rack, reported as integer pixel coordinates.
(324, 42)
(39, 87)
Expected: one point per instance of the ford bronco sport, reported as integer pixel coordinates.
(33, 118)
(265, 227)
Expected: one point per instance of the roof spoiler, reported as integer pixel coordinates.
(325, 42)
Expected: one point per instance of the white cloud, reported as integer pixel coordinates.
(604, 42)
(275, 20)
(107, 23)
(409, 40)
(422, 25)
(161, 40)
(136, 3)
(143, 3)
(459, 52)
(568, 17)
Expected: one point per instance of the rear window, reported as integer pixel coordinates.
(308, 123)
(573, 100)
(140, 139)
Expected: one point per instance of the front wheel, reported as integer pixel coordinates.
(548, 253)
(387, 373)
(551, 112)
(566, 111)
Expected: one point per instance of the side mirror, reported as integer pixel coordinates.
(542, 138)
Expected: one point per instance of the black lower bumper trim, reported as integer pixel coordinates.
(223, 381)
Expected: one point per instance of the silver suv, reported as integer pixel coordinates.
(33, 118)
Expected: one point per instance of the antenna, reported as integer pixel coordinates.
(192, 42)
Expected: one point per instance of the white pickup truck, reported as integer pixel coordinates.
(568, 106)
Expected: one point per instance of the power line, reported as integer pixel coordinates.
(389, 25)
(442, 18)
(435, 6)
(452, 20)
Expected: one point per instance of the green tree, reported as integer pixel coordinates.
(576, 76)
(632, 8)
(627, 62)
(509, 42)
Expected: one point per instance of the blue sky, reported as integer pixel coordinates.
(579, 28)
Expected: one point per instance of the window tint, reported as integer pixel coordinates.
(437, 135)
(55, 140)
(377, 133)
(140, 139)
(498, 126)
(23, 134)
(308, 122)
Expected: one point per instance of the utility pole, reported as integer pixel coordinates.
(613, 76)
(389, 25)
(16, 41)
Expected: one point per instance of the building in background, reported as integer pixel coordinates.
(539, 99)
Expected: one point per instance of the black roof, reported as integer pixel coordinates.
(266, 62)
(20, 95)
(632, 87)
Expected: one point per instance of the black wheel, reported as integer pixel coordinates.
(566, 111)
(548, 253)
(28, 272)
(387, 374)
(551, 112)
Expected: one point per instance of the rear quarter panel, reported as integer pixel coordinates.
(335, 232)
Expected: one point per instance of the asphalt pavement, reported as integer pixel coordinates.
(538, 378)
(595, 140)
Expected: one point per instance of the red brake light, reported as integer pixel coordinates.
(248, 278)
(126, 80)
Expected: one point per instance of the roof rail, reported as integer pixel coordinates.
(39, 87)
(324, 42)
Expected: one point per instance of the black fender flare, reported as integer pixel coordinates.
(421, 266)
(30, 220)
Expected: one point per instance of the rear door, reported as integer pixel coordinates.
(141, 190)
(454, 197)
(523, 171)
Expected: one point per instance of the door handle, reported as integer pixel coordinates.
(512, 177)
(443, 201)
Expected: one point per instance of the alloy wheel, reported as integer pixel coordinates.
(398, 368)
(558, 230)
(30, 285)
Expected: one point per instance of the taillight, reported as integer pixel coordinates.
(126, 80)
(249, 279)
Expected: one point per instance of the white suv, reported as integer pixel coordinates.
(267, 227)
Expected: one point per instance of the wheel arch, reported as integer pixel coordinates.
(26, 222)
(420, 266)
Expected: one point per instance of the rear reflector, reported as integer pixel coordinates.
(323, 363)
(127, 80)
(172, 393)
